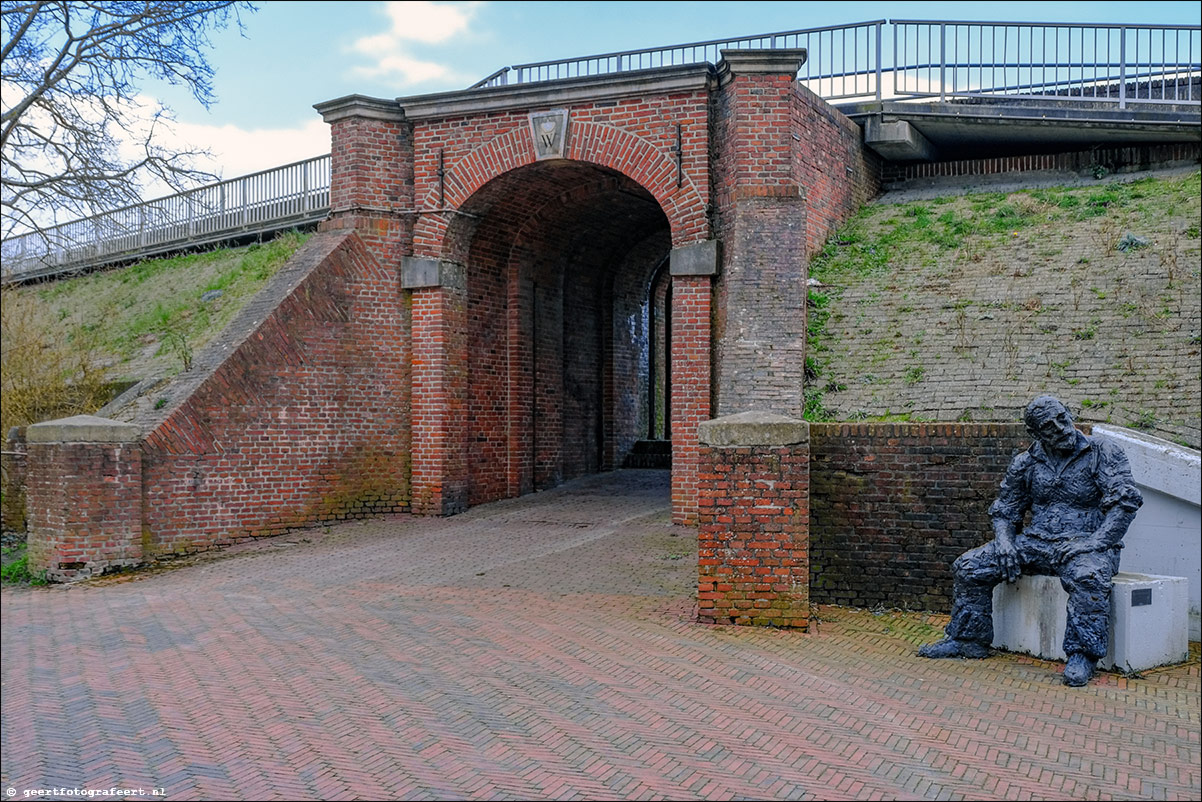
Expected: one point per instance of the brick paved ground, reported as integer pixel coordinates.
(533, 649)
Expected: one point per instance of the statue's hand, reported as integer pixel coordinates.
(1007, 558)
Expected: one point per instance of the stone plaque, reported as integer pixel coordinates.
(550, 132)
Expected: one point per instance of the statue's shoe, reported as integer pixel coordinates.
(951, 647)
(1079, 670)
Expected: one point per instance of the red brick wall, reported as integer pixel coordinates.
(15, 470)
(371, 164)
(1115, 160)
(298, 418)
(488, 367)
(760, 218)
(371, 184)
(691, 387)
(635, 136)
(85, 505)
(753, 516)
(837, 173)
(893, 504)
(440, 401)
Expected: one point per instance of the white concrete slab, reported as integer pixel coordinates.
(1149, 620)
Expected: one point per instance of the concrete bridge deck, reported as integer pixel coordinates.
(539, 648)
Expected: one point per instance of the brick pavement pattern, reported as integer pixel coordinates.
(540, 648)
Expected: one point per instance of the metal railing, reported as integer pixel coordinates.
(937, 58)
(844, 60)
(294, 194)
(1121, 63)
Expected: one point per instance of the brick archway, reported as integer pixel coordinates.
(588, 142)
(530, 360)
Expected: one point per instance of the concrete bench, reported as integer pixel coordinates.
(1149, 620)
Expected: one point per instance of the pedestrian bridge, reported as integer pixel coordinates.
(922, 90)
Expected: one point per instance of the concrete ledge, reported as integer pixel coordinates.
(83, 429)
(1166, 536)
(419, 273)
(372, 108)
(753, 429)
(558, 93)
(1148, 620)
(699, 259)
(898, 140)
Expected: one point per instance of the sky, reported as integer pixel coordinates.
(290, 55)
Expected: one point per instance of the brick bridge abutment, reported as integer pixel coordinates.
(492, 256)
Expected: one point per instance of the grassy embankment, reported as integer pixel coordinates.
(69, 344)
(963, 308)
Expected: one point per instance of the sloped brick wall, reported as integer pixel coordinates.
(298, 414)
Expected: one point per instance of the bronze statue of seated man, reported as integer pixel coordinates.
(1081, 499)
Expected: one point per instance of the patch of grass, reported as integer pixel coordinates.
(1060, 198)
(818, 314)
(815, 409)
(148, 317)
(1144, 419)
(17, 572)
(48, 364)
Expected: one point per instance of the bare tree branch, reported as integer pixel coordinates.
(72, 111)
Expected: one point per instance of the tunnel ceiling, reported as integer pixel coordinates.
(572, 205)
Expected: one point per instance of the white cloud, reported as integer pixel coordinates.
(410, 70)
(420, 22)
(238, 151)
(428, 22)
(233, 151)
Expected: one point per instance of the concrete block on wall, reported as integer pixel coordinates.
(698, 259)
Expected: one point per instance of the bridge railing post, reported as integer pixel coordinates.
(942, 62)
(878, 62)
(1123, 67)
(304, 204)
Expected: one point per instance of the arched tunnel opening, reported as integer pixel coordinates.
(566, 303)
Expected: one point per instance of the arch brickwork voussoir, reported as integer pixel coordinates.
(594, 143)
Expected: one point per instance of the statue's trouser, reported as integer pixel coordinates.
(1086, 579)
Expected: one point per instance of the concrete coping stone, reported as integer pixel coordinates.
(83, 429)
(559, 93)
(754, 429)
(698, 259)
(372, 108)
(768, 61)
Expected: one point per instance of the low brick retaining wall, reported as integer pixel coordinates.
(893, 504)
